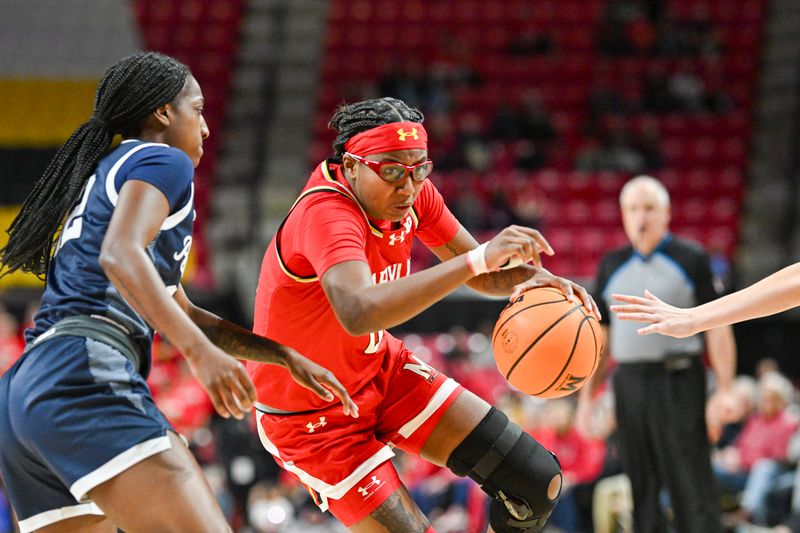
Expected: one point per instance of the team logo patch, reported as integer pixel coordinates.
(371, 488)
(402, 134)
(313, 426)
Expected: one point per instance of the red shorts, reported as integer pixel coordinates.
(344, 461)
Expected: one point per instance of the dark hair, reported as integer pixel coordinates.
(127, 93)
(351, 119)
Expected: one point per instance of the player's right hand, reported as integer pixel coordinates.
(225, 380)
(516, 244)
(320, 380)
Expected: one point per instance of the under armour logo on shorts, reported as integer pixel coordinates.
(311, 427)
(365, 492)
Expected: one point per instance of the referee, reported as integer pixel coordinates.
(659, 384)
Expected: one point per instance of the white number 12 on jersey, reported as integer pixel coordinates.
(74, 223)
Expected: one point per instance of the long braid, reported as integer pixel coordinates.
(127, 93)
(351, 119)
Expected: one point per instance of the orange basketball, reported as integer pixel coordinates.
(545, 345)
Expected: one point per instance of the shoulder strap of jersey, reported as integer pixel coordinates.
(279, 255)
(330, 186)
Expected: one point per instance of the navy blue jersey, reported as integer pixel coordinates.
(76, 283)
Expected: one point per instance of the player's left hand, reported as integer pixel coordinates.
(574, 292)
(320, 380)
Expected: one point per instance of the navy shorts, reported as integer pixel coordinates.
(74, 413)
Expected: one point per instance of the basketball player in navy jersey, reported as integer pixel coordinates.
(82, 445)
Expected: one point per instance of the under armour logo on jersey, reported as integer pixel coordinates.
(397, 237)
(375, 482)
(311, 427)
(400, 236)
(401, 134)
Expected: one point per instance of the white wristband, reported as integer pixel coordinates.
(476, 259)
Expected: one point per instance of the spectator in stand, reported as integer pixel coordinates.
(743, 393)
(473, 144)
(612, 35)
(702, 36)
(765, 365)
(758, 455)
(657, 96)
(531, 42)
(505, 123)
(612, 502)
(536, 124)
(527, 206)
(442, 138)
(406, 80)
(613, 152)
(648, 143)
(672, 39)
(687, 88)
(581, 459)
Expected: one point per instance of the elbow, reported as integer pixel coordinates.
(111, 258)
(357, 321)
(355, 326)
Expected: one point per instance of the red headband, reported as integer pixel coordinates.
(388, 138)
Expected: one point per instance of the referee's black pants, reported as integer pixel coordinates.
(664, 444)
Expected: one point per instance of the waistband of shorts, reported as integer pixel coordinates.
(267, 410)
(100, 329)
(671, 363)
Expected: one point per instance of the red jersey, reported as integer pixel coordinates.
(325, 227)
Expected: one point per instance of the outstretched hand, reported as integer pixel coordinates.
(574, 292)
(320, 380)
(662, 317)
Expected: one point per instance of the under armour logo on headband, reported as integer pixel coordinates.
(390, 137)
(401, 134)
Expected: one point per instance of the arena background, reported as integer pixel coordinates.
(538, 111)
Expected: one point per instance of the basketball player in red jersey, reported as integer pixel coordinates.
(336, 275)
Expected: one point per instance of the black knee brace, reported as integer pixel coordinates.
(514, 469)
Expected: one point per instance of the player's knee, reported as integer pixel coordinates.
(521, 475)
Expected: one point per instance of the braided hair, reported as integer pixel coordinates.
(352, 119)
(127, 93)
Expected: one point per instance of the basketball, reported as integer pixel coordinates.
(545, 345)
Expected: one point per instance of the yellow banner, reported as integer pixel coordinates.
(41, 113)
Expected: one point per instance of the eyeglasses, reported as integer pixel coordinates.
(394, 172)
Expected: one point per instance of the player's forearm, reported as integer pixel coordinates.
(722, 354)
(501, 283)
(773, 294)
(385, 305)
(133, 274)
(238, 341)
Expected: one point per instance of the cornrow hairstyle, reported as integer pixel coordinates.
(127, 93)
(352, 119)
